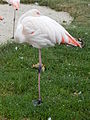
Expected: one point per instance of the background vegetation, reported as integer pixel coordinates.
(65, 85)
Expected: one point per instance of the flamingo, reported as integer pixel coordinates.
(15, 4)
(40, 32)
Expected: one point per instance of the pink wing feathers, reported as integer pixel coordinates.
(71, 40)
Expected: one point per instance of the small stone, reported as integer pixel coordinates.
(79, 93)
(49, 118)
(88, 5)
(36, 3)
(21, 58)
(16, 48)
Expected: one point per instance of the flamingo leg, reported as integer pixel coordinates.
(36, 66)
(14, 22)
(39, 72)
(38, 102)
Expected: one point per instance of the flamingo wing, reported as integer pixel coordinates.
(43, 32)
(34, 32)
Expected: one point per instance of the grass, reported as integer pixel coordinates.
(65, 85)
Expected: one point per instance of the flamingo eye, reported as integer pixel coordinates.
(32, 32)
(38, 13)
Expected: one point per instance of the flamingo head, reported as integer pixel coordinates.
(35, 12)
(16, 5)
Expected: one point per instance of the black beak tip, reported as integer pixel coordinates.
(81, 42)
(9, 4)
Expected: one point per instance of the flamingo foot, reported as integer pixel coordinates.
(12, 37)
(37, 102)
(36, 66)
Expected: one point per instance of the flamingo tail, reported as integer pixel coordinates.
(71, 41)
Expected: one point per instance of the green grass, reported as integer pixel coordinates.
(65, 85)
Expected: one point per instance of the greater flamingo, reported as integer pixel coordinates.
(42, 32)
(15, 4)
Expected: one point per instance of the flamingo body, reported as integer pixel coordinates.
(42, 32)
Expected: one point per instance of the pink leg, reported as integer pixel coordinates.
(39, 71)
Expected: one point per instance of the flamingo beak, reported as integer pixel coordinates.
(81, 42)
(10, 4)
(16, 6)
(1, 18)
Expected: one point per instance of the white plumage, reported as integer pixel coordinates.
(32, 12)
(42, 32)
